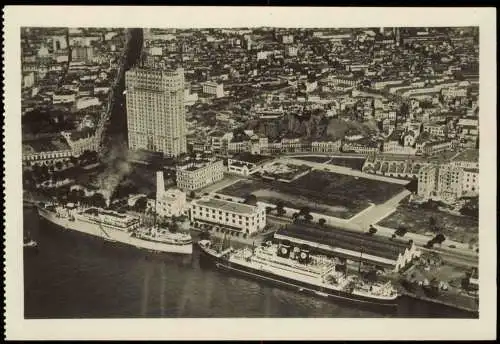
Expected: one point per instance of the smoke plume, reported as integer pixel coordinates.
(118, 161)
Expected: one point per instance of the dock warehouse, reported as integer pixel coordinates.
(375, 250)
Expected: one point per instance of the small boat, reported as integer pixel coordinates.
(31, 243)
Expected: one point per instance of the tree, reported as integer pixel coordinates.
(59, 165)
(321, 222)
(304, 211)
(98, 200)
(141, 204)
(440, 238)
(308, 217)
(269, 210)
(251, 199)
(372, 230)
(279, 208)
(174, 227)
(432, 222)
(430, 244)
(192, 194)
(401, 231)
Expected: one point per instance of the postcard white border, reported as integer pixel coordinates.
(261, 329)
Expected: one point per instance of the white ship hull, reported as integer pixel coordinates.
(114, 235)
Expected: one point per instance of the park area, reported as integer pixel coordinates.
(463, 229)
(333, 194)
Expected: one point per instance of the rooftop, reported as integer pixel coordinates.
(248, 157)
(45, 144)
(228, 206)
(349, 240)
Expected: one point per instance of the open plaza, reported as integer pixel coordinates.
(333, 194)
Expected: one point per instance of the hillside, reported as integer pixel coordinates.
(310, 126)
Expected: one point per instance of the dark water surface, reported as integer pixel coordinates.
(72, 275)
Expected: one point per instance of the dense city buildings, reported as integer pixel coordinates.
(156, 117)
(357, 146)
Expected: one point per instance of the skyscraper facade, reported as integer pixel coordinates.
(156, 118)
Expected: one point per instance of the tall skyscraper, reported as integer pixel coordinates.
(156, 117)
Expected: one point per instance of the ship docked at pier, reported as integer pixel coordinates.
(300, 270)
(116, 227)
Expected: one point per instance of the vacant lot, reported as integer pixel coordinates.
(324, 192)
(342, 186)
(459, 228)
(354, 163)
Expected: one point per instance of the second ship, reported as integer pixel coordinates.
(116, 227)
(298, 269)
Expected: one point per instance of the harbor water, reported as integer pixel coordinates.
(71, 275)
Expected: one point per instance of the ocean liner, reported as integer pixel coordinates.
(117, 227)
(298, 269)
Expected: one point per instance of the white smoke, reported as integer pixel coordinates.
(118, 160)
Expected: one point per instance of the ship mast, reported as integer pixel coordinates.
(102, 229)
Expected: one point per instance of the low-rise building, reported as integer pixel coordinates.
(363, 146)
(63, 96)
(199, 173)
(245, 164)
(81, 141)
(433, 147)
(438, 130)
(213, 89)
(170, 202)
(326, 146)
(376, 252)
(45, 150)
(228, 215)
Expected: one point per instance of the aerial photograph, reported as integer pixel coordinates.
(250, 172)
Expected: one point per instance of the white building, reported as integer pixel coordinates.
(28, 79)
(287, 39)
(213, 89)
(198, 174)
(291, 51)
(190, 98)
(427, 181)
(245, 164)
(86, 102)
(448, 181)
(79, 144)
(156, 51)
(170, 202)
(156, 117)
(233, 216)
(63, 96)
(326, 146)
(470, 181)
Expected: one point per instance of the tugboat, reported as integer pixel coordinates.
(29, 243)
